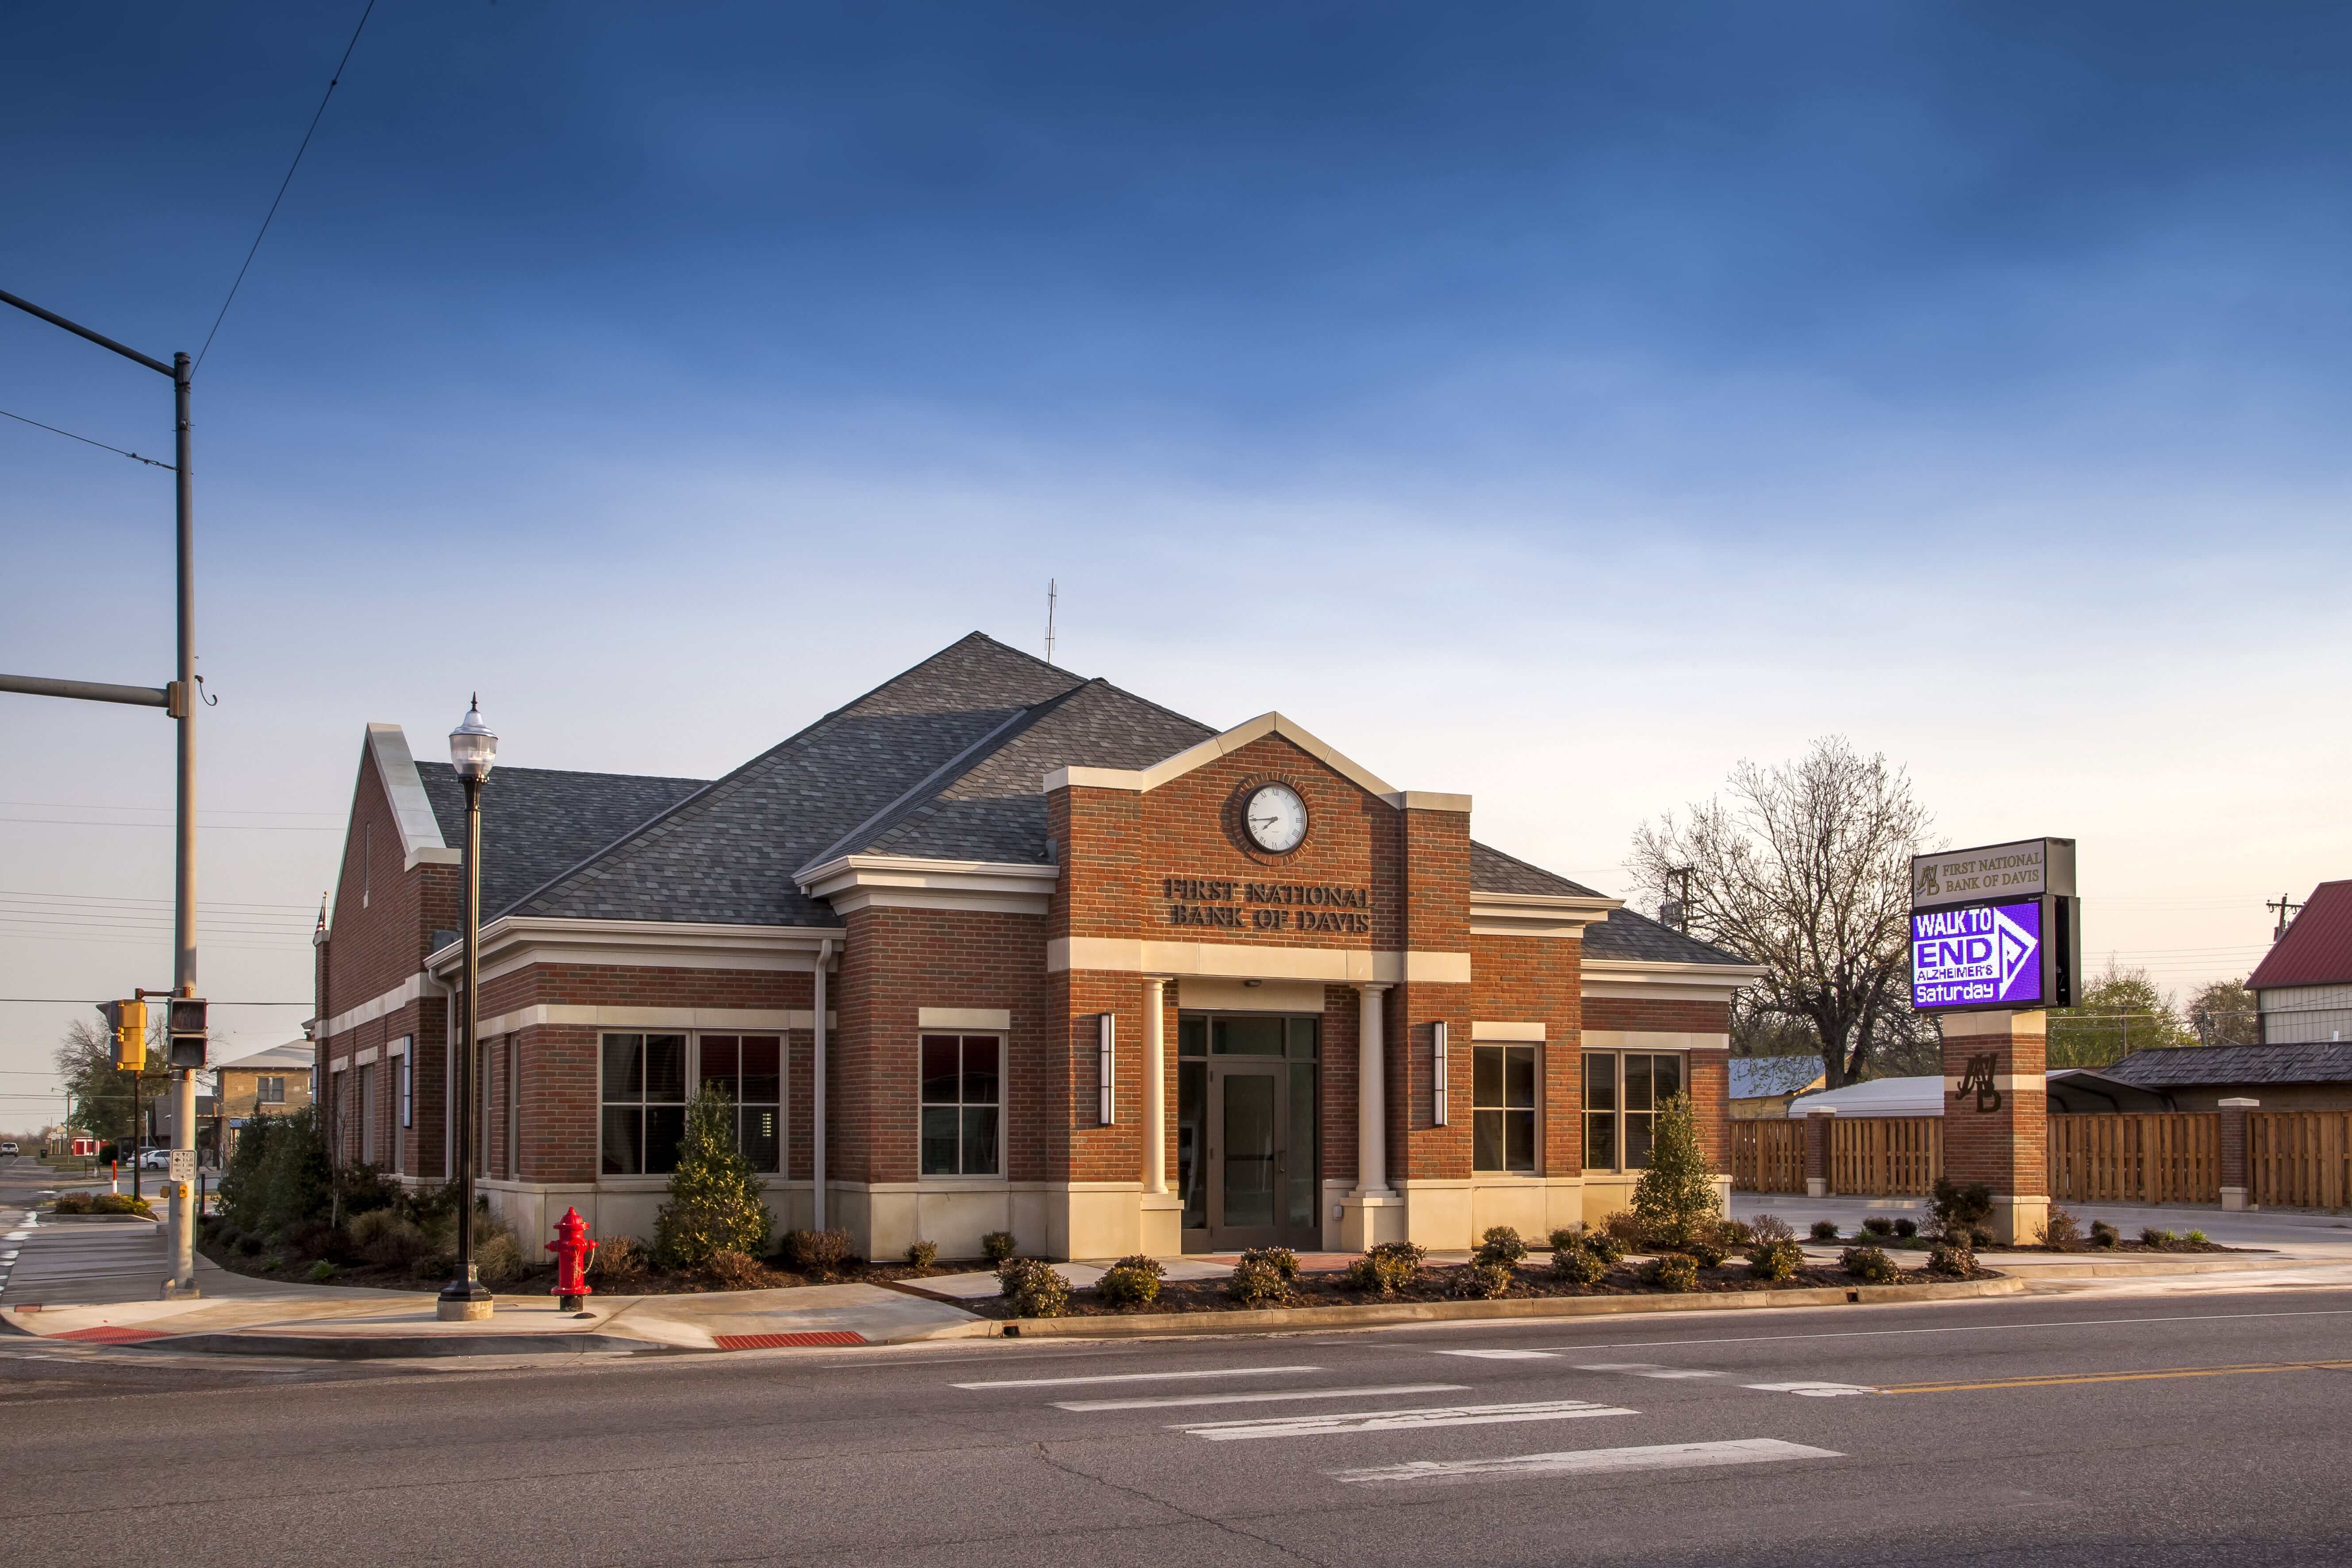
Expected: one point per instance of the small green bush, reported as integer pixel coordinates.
(1775, 1260)
(1258, 1282)
(713, 1204)
(1707, 1254)
(1676, 1197)
(2105, 1235)
(498, 1257)
(922, 1253)
(1626, 1228)
(1906, 1227)
(1132, 1281)
(1879, 1225)
(2154, 1236)
(1034, 1287)
(1604, 1246)
(2197, 1238)
(121, 1202)
(322, 1271)
(1735, 1233)
(1980, 1238)
(1825, 1230)
(2060, 1230)
(1386, 1268)
(1566, 1236)
(1479, 1281)
(248, 1245)
(71, 1203)
(1958, 1211)
(998, 1245)
(1868, 1264)
(1951, 1260)
(1501, 1244)
(1578, 1266)
(728, 1269)
(618, 1257)
(382, 1237)
(1281, 1260)
(1674, 1271)
(1766, 1228)
(819, 1254)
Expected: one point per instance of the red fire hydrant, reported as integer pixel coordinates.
(574, 1252)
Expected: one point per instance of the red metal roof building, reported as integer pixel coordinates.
(2304, 984)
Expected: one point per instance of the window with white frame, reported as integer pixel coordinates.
(1622, 1093)
(649, 1079)
(1503, 1108)
(962, 1103)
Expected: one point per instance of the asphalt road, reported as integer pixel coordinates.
(2110, 1432)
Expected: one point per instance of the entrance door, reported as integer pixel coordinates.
(1248, 1160)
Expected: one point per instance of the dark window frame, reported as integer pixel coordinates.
(976, 1123)
(1496, 1104)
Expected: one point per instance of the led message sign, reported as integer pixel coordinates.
(1979, 955)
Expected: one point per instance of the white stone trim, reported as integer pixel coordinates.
(854, 882)
(368, 1012)
(640, 1018)
(1525, 1034)
(1996, 1021)
(412, 809)
(1634, 979)
(1195, 758)
(1204, 994)
(398, 1047)
(1654, 1040)
(1538, 914)
(515, 941)
(963, 1018)
(1241, 960)
(364, 1059)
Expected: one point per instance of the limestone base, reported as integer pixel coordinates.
(471, 1311)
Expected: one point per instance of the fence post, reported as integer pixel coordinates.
(1817, 1152)
(2237, 1185)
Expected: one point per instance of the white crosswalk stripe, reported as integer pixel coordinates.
(1646, 1369)
(1340, 1423)
(1257, 1396)
(1812, 1390)
(1588, 1461)
(1135, 1377)
(1506, 1355)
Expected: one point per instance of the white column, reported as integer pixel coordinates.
(1155, 1085)
(1371, 1094)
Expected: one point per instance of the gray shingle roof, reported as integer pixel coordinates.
(537, 823)
(2324, 1062)
(1492, 872)
(1626, 934)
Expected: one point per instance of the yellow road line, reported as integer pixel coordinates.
(2120, 1376)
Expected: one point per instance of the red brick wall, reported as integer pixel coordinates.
(2007, 1149)
(1708, 1077)
(1519, 979)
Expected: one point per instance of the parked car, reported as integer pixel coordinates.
(154, 1159)
(7, 1146)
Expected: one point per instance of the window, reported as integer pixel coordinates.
(644, 1103)
(1622, 1093)
(750, 1068)
(963, 1091)
(1503, 1108)
(407, 1092)
(367, 1130)
(269, 1092)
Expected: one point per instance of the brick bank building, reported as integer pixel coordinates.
(994, 947)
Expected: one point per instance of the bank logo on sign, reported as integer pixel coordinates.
(2018, 947)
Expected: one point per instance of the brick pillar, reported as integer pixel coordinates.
(1817, 1152)
(2237, 1183)
(1996, 1114)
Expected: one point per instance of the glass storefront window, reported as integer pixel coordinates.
(962, 1086)
(1503, 1108)
(1623, 1092)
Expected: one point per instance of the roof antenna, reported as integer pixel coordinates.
(1053, 592)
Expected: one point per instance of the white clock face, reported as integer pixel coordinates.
(1276, 818)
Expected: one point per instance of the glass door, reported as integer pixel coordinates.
(1248, 1130)
(1247, 1123)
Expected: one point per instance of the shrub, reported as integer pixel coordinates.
(322, 1271)
(998, 1245)
(1734, 1233)
(278, 1174)
(1676, 1196)
(1501, 1244)
(1035, 1288)
(1565, 1237)
(72, 1202)
(1957, 1210)
(714, 1199)
(728, 1269)
(498, 1257)
(1824, 1230)
(1774, 1260)
(1906, 1227)
(1578, 1266)
(1257, 1281)
(1879, 1225)
(1281, 1260)
(382, 1237)
(1980, 1238)
(2060, 1230)
(820, 1254)
(1625, 1228)
(2105, 1235)
(2197, 1238)
(1480, 1280)
(2154, 1236)
(922, 1253)
(1132, 1281)
(121, 1202)
(306, 1237)
(1868, 1264)
(1705, 1254)
(1952, 1258)
(1604, 1246)
(248, 1245)
(1766, 1228)
(618, 1257)
(1386, 1268)
(1672, 1271)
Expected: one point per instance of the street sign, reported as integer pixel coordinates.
(1993, 871)
(184, 1165)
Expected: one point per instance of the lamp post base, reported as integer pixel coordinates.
(464, 1302)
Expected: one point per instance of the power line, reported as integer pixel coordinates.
(92, 1002)
(331, 83)
(215, 811)
(128, 899)
(209, 827)
(86, 441)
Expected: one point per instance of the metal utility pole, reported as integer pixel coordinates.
(178, 699)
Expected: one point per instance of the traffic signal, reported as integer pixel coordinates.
(127, 1020)
(187, 1026)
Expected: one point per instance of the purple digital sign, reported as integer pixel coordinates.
(1976, 956)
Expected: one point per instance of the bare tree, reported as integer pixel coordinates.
(1805, 868)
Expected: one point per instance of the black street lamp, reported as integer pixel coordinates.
(472, 749)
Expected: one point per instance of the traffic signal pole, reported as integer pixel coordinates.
(178, 700)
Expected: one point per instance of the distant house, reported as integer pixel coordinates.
(1761, 1087)
(2311, 1077)
(2304, 985)
(274, 1082)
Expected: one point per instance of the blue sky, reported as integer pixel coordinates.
(1555, 402)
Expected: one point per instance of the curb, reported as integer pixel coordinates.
(1377, 1315)
(394, 1347)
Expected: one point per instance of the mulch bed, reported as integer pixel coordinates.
(1531, 1281)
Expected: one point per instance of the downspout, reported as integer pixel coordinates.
(818, 1075)
(448, 1067)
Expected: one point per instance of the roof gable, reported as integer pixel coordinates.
(2318, 947)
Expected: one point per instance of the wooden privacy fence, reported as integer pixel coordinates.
(1886, 1156)
(2158, 1157)
(2299, 1158)
(1768, 1156)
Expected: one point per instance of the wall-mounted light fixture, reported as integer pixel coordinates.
(1106, 1065)
(1437, 1074)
